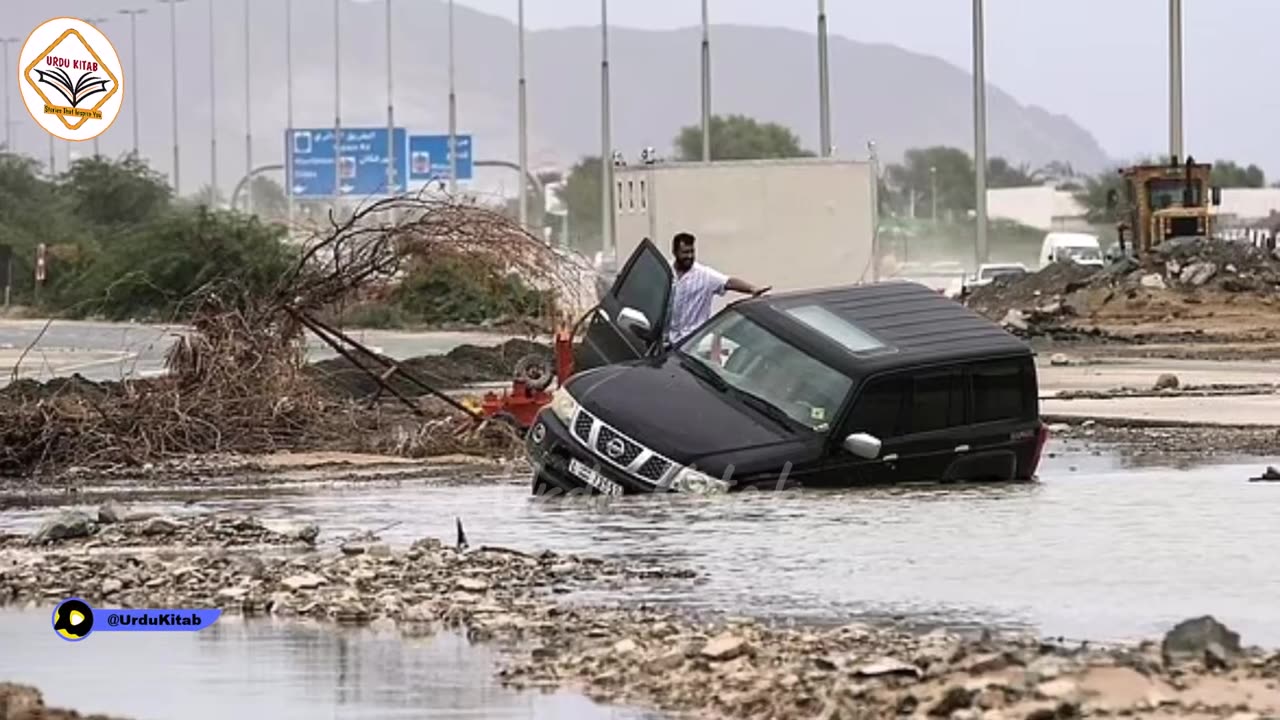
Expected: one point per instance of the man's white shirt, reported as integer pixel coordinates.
(691, 298)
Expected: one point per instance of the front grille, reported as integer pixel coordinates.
(607, 437)
(654, 468)
(636, 459)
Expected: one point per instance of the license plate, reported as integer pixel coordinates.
(594, 479)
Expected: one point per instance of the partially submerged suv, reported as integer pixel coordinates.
(882, 383)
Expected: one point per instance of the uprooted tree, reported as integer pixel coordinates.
(237, 382)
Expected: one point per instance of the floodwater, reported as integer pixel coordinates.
(1097, 550)
(264, 669)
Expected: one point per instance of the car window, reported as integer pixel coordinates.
(646, 286)
(764, 365)
(937, 401)
(881, 408)
(1000, 391)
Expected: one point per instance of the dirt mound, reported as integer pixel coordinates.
(463, 365)
(1205, 288)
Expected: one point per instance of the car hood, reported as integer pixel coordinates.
(660, 404)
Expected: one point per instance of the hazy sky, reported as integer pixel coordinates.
(1103, 62)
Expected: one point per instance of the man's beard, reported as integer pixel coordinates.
(684, 265)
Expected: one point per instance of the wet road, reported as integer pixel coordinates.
(266, 669)
(110, 351)
(1095, 550)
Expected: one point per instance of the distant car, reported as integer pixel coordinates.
(988, 272)
(1080, 248)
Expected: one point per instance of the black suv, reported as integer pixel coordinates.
(867, 384)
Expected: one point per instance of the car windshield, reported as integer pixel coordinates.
(1081, 253)
(767, 372)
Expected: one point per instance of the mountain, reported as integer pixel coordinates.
(879, 92)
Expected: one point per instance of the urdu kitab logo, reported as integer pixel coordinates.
(73, 619)
(72, 79)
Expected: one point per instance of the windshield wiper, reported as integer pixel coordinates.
(704, 372)
(773, 412)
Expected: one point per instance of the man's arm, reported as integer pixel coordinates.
(742, 286)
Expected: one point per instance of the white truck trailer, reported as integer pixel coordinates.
(792, 224)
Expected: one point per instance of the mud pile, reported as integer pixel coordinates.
(463, 365)
(1186, 287)
(23, 702)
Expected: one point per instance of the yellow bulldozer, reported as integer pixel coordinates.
(1164, 202)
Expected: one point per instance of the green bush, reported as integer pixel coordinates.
(455, 290)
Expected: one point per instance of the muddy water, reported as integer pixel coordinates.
(1096, 550)
(271, 670)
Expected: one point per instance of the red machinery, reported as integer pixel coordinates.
(528, 392)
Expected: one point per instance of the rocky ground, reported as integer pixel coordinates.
(1202, 292)
(639, 655)
(23, 702)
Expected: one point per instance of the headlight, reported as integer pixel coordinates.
(689, 480)
(563, 405)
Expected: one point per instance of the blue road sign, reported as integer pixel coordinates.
(429, 157)
(363, 162)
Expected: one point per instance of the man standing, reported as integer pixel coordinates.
(694, 286)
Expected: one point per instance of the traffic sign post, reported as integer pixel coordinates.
(362, 162)
(429, 157)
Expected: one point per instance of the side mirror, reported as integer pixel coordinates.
(636, 322)
(863, 445)
(1217, 195)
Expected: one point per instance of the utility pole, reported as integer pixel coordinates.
(8, 106)
(173, 72)
(337, 101)
(706, 85)
(824, 82)
(1175, 79)
(980, 131)
(213, 110)
(133, 66)
(391, 111)
(453, 114)
(524, 123)
(606, 141)
(248, 113)
(933, 193)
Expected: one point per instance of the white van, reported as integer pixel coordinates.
(1080, 248)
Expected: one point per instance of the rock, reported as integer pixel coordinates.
(1014, 319)
(20, 702)
(724, 647)
(1197, 273)
(625, 647)
(308, 533)
(1173, 267)
(352, 549)
(1216, 657)
(1190, 640)
(308, 581)
(1167, 381)
(955, 698)
(160, 526)
(1060, 689)
(670, 660)
(233, 593)
(111, 585)
(888, 666)
(1153, 281)
(1059, 360)
(110, 512)
(66, 525)
(474, 585)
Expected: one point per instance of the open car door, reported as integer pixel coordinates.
(631, 320)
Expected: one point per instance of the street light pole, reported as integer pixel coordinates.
(522, 111)
(1175, 79)
(706, 85)
(8, 106)
(97, 148)
(248, 113)
(391, 112)
(606, 141)
(133, 63)
(337, 101)
(213, 113)
(453, 114)
(288, 71)
(824, 82)
(980, 131)
(173, 70)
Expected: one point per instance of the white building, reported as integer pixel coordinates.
(1040, 206)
